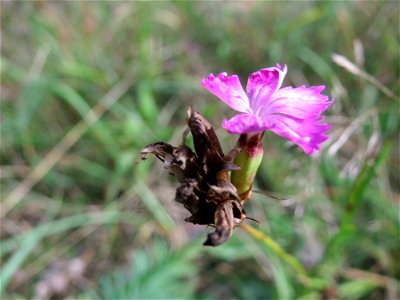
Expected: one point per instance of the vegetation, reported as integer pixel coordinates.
(84, 86)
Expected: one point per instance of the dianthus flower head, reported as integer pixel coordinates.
(293, 113)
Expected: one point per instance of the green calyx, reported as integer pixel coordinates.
(248, 159)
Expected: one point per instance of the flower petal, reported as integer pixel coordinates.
(306, 133)
(293, 113)
(302, 102)
(243, 123)
(229, 90)
(263, 83)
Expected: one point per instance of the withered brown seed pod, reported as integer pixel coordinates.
(205, 189)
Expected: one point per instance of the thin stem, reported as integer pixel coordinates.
(289, 259)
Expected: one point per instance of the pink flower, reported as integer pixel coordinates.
(292, 113)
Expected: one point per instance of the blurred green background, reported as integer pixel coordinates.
(86, 85)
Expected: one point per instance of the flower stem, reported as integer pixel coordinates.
(301, 275)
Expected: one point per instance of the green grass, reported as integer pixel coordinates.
(84, 86)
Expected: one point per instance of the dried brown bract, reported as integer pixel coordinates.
(205, 189)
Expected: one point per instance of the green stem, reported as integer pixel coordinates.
(301, 275)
